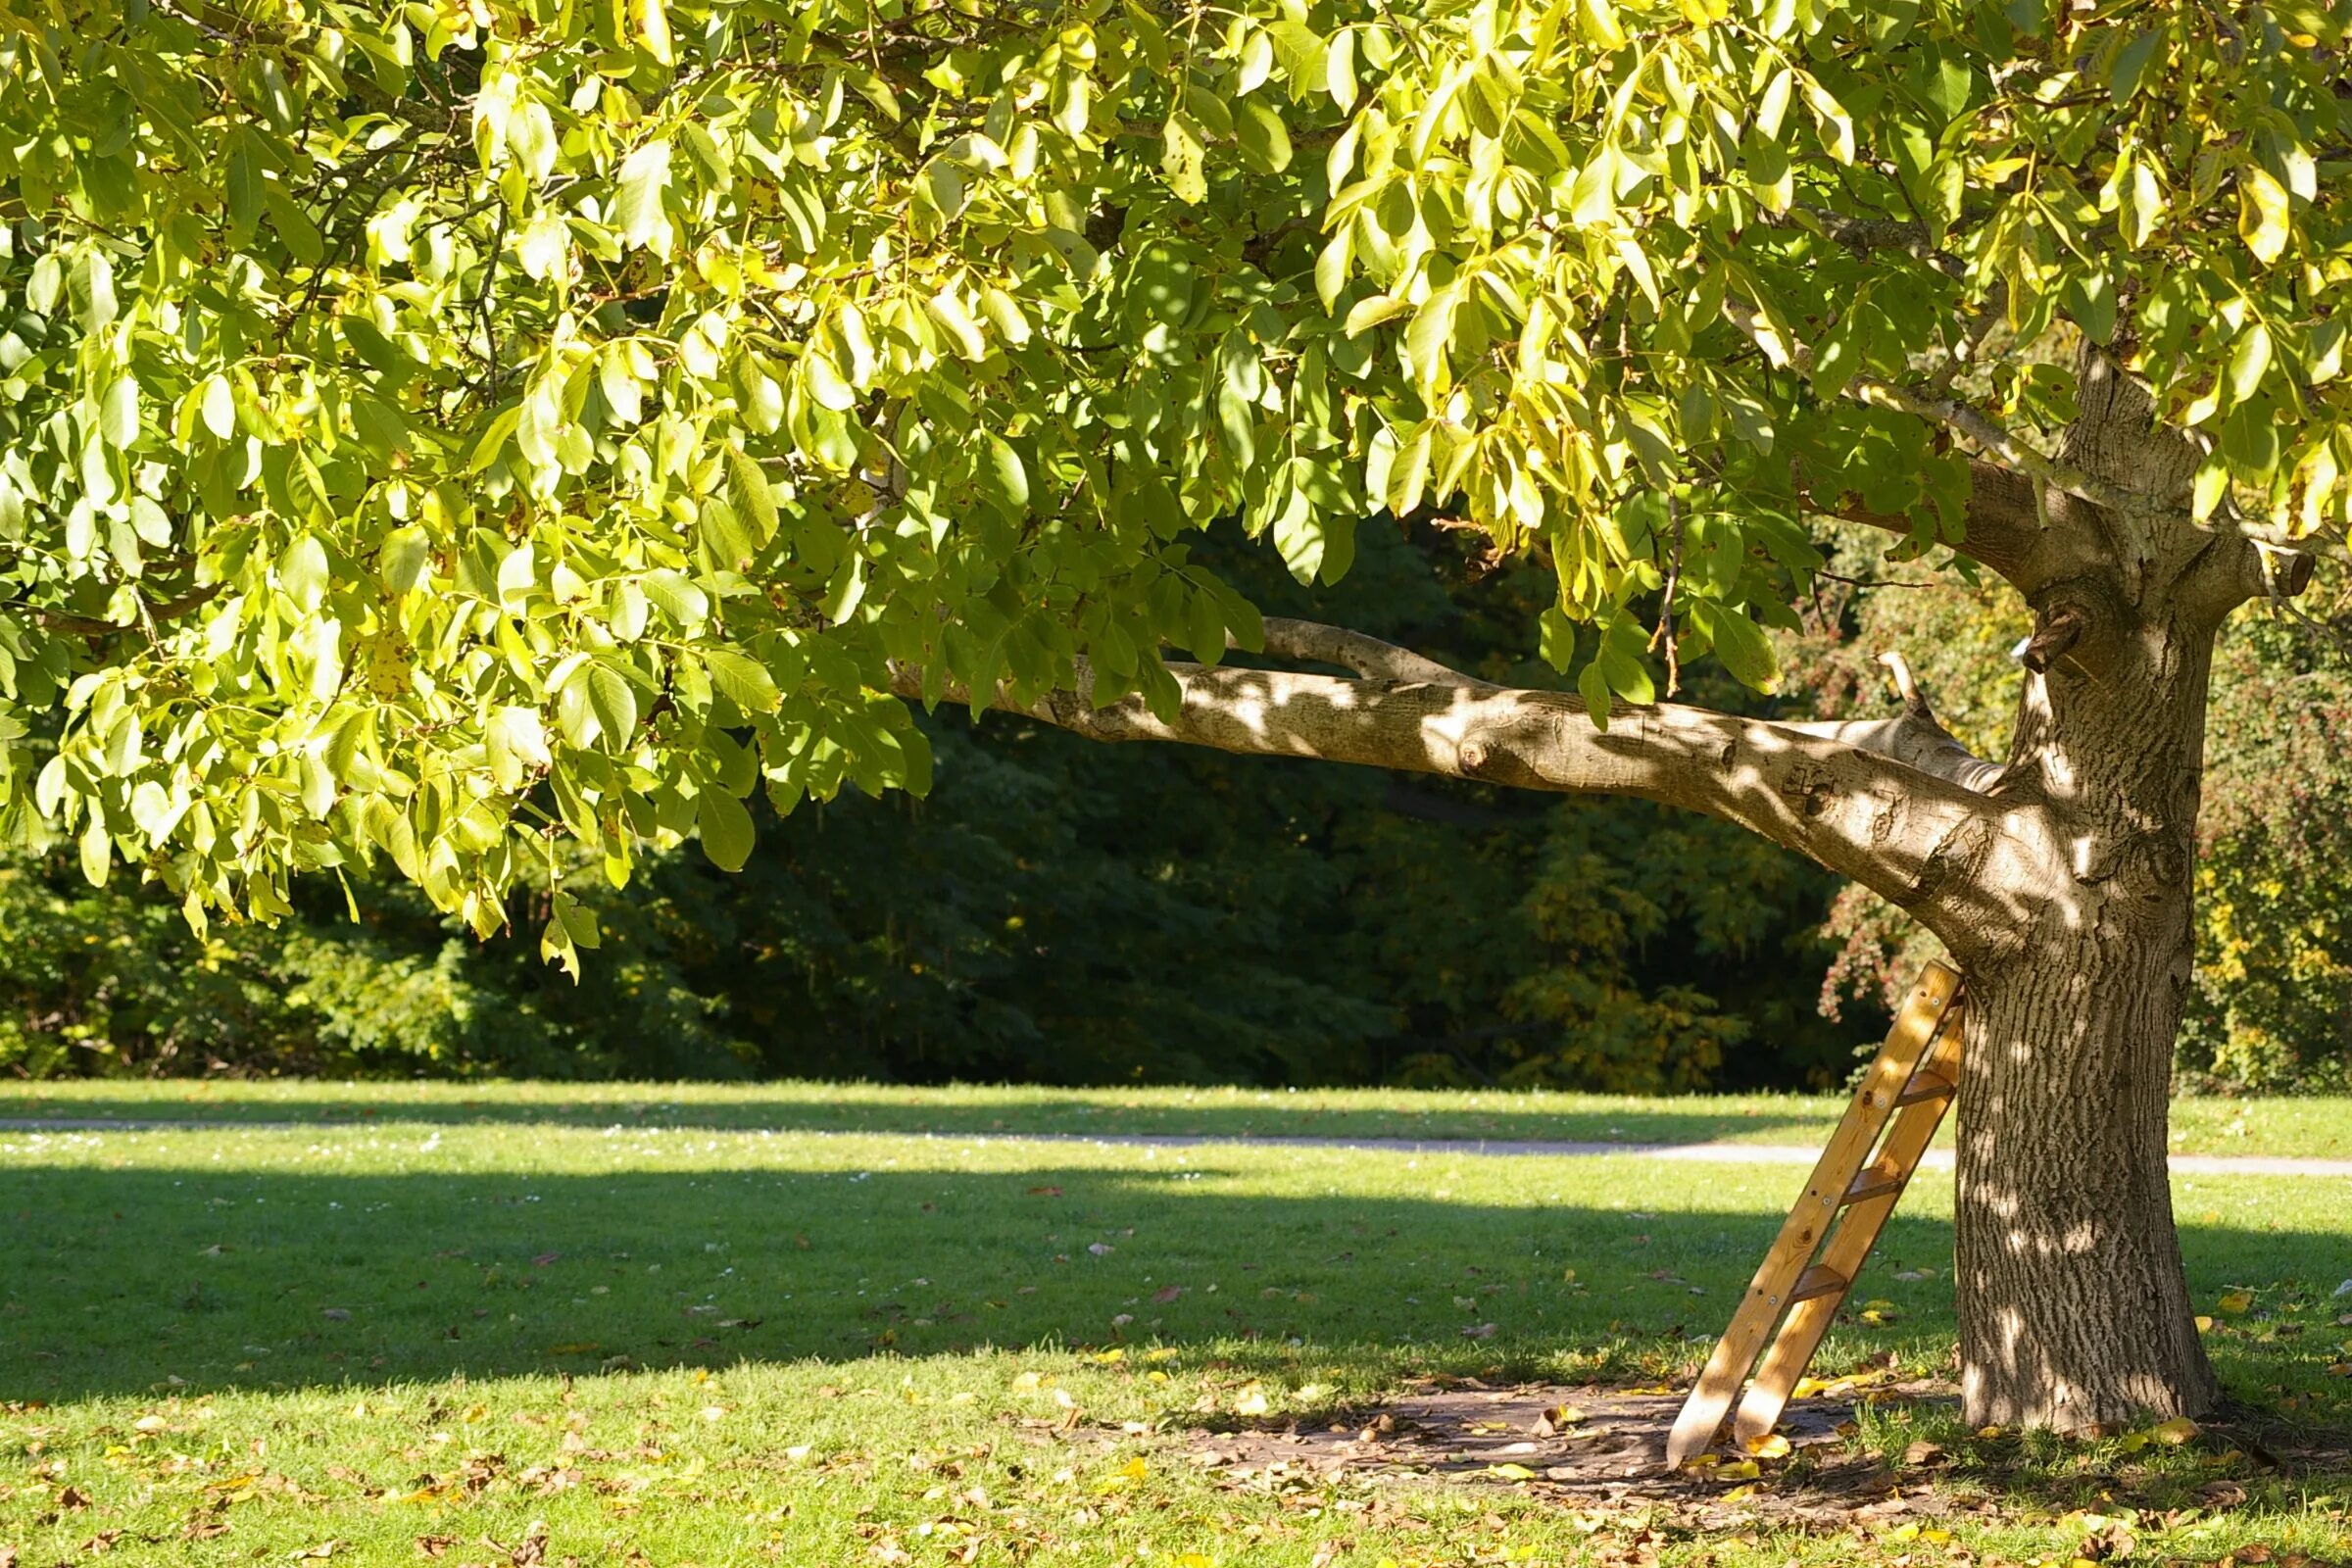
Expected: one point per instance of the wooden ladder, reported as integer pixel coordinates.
(1911, 1085)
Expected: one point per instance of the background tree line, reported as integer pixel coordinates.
(1063, 912)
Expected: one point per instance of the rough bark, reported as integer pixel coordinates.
(2073, 1312)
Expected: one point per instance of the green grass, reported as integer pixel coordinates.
(657, 1335)
(2315, 1127)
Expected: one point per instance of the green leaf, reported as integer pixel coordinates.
(1740, 644)
(1009, 474)
(119, 413)
(400, 563)
(637, 213)
(613, 698)
(97, 852)
(2130, 63)
(726, 828)
(2249, 361)
(1304, 57)
(219, 408)
(744, 679)
(749, 493)
(1265, 141)
(1594, 687)
(677, 596)
(723, 533)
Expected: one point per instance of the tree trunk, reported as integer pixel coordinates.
(2073, 1310)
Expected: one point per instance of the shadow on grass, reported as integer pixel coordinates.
(1056, 1113)
(120, 1281)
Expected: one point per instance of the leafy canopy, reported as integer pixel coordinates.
(444, 431)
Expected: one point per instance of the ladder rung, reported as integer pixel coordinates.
(1818, 1280)
(1925, 1086)
(1875, 1181)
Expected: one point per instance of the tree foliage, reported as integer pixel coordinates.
(1048, 913)
(450, 434)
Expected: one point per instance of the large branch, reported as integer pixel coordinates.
(1311, 642)
(1908, 833)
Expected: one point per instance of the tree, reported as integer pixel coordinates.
(439, 431)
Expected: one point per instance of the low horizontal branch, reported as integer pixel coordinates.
(1886, 820)
(1311, 642)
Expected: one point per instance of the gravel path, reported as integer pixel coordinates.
(1702, 1154)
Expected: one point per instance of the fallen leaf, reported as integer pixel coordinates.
(1558, 1419)
(1252, 1400)
(317, 1554)
(2178, 1429)
(1771, 1446)
(1479, 1331)
(73, 1497)
(1166, 1294)
(1510, 1472)
(1923, 1452)
(1100, 1248)
(529, 1552)
(434, 1546)
(545, 1258)
(1740, 1470)
(1045, 1192)
(2236, 1300)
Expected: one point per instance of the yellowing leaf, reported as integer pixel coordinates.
(1771, 1446)
(2263, 220)
(1183, 158)
(1597, 21)
(651, 19)
(2236, 1300)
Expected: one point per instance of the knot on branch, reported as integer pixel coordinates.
(2053, 638)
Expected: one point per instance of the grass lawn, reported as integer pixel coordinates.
(2318, 1127)
(486, 1323)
